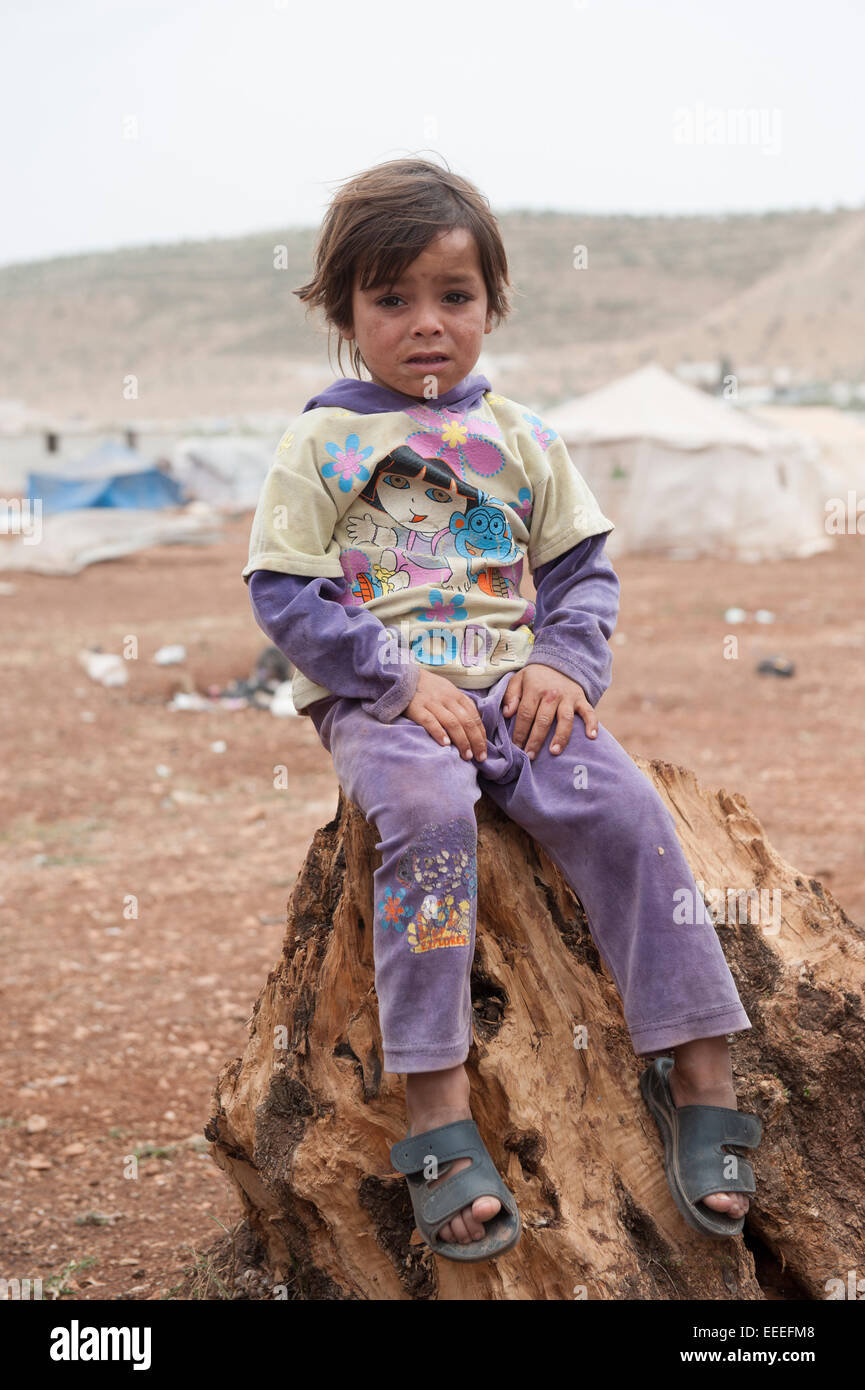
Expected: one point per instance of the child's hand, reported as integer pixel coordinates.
(448, 715)
(541, 692)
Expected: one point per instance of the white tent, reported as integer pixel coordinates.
(839, 433)
(685, 474)
(226, 471)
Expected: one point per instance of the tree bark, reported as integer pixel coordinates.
(304, 1120)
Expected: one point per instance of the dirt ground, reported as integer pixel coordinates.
(115, 1024)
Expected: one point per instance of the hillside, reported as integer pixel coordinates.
(211, 327)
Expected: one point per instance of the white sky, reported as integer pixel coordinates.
(248, 111)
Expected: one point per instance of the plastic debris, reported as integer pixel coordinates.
(764, 615)
(735, 615)
(219, 746)
(272, 670)
(776, 666)
(190, 700)
(104, 667)
(170, 656)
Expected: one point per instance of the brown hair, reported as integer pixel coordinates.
(381, 220)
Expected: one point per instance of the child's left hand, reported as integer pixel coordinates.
(543, 693)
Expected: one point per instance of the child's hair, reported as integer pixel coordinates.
(381, 220)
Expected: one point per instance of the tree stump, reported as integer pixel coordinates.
(304, 1120)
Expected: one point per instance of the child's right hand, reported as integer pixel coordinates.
(448, 715)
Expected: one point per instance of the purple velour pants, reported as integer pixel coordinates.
(602, 828)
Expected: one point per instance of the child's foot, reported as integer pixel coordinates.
(436, 1098)
(702, 1075)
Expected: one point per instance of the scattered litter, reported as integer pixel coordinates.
(162, 770)
(776, 666)
(104, 667)
(170, 656)
(272, 671)
(738, 615)
(219, 746)
(182, 797)
(190, 699)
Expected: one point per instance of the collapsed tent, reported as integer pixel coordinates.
(227, 471)
(65, 545)
(684, 474)
(113, 475)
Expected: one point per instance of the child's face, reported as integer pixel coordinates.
(431, 323)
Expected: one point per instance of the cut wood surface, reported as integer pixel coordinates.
(304, 1120)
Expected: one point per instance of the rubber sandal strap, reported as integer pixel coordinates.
(461, 1139)
(703, 1165)
(434, 1206)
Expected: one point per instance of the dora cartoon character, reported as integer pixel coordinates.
(434, 527)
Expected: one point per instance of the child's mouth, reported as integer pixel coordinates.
(427, 359)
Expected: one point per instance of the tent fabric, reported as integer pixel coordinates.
(684, 474)
(839, 434)
(226, 471)
(111, 475)
(66, 544)
(652, 404)
(106, 459)
(144, 491)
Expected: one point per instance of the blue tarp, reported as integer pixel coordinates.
(106, 478)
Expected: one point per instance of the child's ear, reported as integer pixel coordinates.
(488, 327)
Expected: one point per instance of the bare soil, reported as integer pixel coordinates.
(115, 1024)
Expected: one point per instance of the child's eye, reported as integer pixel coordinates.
(457, 294)
(386, 300)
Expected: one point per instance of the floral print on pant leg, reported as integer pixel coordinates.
(440, 868)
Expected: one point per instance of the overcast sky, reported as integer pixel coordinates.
(127, 122)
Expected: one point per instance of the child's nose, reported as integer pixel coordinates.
(427, 321)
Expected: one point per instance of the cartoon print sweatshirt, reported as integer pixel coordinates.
(391, 533)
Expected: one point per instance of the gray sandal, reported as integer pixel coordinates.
(694, 1154)
(434, 1206)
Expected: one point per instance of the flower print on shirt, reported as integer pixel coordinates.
(464, 442)
(541, 436)
(442, 609)
(523, 506)
(348, 462)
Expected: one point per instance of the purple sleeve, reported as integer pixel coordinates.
(577, 605)
(338, 647)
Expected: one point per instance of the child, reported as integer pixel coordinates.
(385, 561)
